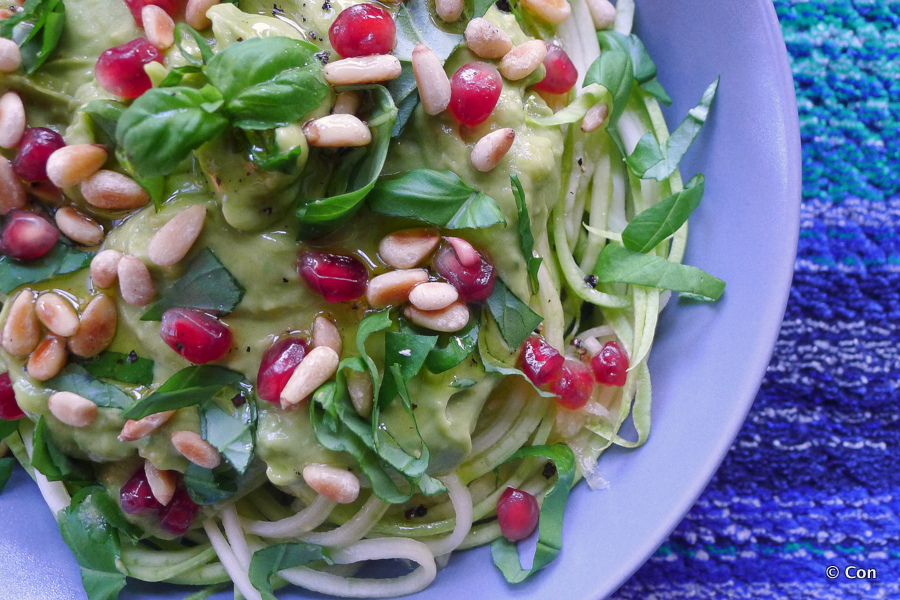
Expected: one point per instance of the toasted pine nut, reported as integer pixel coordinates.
(197, 450)
(5, 13)
(433, 295)
(174, 239)
(465, 252)
(603, 13)
(162, 483)
(158, 26)
(57, 314)
(360, 388)
(72, 409)
(105, 268)
(452, 318)
(392, 288)
(135, 283)
(98, 326)
(337, 131)
(490, 150)
(12, 192)
(135, 430)
(70, 165)
(316, 368)
(48, 358)
(113, 191)
(362, 69)
(10, 56)
(339, 485)
(195, 13)
(551, 11)
(80, 227)
(434, 85)
(486, 39)
(325, 333)
(521, 61)
(594, 117)
(448, 10)
(407, 248)
(12, 119)
(347, 103)
(22, 331)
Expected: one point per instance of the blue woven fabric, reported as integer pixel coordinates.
(813, 479)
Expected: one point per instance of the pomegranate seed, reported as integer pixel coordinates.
(120, 70)
(610, 365)
(27, 235)
(178, 515)
(561, 73)
(9, 408)
(195, 335)
(335, 277)
(573, 384)
(171, 7)
(540, 361)
(277, 365)
(35, 147)
(474, 91)
(518, 513)
(136, 497)
(362, 30)
(474, 283)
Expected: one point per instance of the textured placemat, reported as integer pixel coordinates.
(813, 479)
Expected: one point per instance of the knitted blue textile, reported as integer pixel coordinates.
(813, 479)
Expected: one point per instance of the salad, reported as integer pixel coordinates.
(292, 288)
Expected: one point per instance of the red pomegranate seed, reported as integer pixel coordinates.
(9, 408)
(27, 235)
(278, 363)
(474, 283)
(195, 335)
(474, 91)
(610, 365)
(335, 277)
(573, 384)
(540, 361)
(120, 70)
(178, 515)
(561, 73)
(517, 513)
(361, 30)
(35, 147)
(136, 497)
(171, 7)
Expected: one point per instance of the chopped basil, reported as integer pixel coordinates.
(269, 561)
(526, 236)
(7, 428)
(127, 368)
(188, 387)
(514, 318)
(644, 69)
(407, 350)
(231, 430)
(647, 229)
(104, 114)
(613, 71)
(36, 29)
(6, 469)
(60, 260)
(50, 460)
(76, 379)
(453, 348)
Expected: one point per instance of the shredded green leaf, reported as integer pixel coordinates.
(60, 260)
(646, 230)
(514, 318)
(190, 386)
(267, 562)
(526, 236)
(76, 379)
(37, 29)
(127, 368)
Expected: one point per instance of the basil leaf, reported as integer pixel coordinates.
(177, 75)
(620, 265)
(76, 379)
(429, 486)
(211, 486)
(268, 82)
(462, 383)
(267, 153)
(127, 368)
(437, 197)
(112, 512)
(526, 237)
(188, 387)
(206, 53)
(267, 562)
(481, 7)
(37, 29)
(60, 260)
(493, 364)
(104, 114)
(514, 318)
(613, 71)
(550, 522)
(646, 230)
(50, 460)
(7, 428)
(452, 349)
(163, 126)
(649, 160)
(206, 284)
(408, 351)
(6, 469)
(644, 69)
(230, 430)
(372, 323)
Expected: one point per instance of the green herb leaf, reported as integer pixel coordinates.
(613, 71)
(36, 29)
(491, 337)
(188, 387)
(7, 428)
(206, 284)
(50, 460)
(230, 430)
(76, 379)
(104, 114)
(269, 561)
(437, 197)
(480, 7)
(408, 351)
(127, 368)
(644, 68)
(112, 512)
(504, 553)
(620, 265)
(526, 237)
(514, 318)
(183, 30)
(429, 486)
(462, 383)
(60, 260)
(6, 469)
(646, 230)
(453, 348)
(211, 486)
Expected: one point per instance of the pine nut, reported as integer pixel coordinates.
(521, 61)
(113, 191)
(48, 358)
(362, 69)
(135, 430)
(603, 13)
(315, 369)
(551, 11)
(325, 333)
(360, 388)
(490, 150)
(12, 192)
(5, 13)
(487, 40)
(195, 13)
(12, 120)
(22, 331)
(158, 26)
(72, 409)
(70, 165)
(448, 10)
(337, 131)
(10, 56)
(98, 326)
(452, 318)
(465, 252)
(434, 85)
(339, 485)
(347, 103)
(197, 450)
(162, 483)
(433, 295)
(57, 314)
(594, 117)
(174, 239)
(393, 288)
(80, 227)
(105, 268)
(135, 283)
(407, 248)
